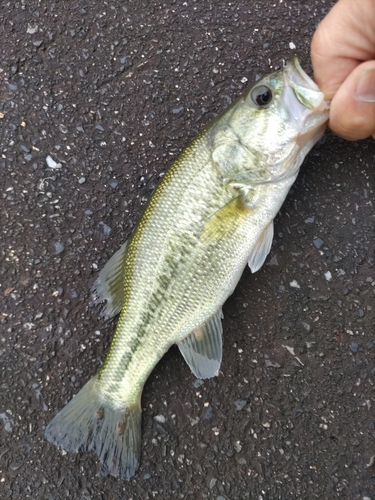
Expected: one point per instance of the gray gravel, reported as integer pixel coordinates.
(97, 100)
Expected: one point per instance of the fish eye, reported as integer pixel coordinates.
(261, 96)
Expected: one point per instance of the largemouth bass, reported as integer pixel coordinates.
(211, 215)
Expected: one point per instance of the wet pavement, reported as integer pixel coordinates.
(97, 100)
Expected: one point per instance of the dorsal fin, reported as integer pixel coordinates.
(110, 283)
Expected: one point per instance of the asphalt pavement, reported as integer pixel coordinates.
(97, 100)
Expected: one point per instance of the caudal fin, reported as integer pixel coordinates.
(89, 423)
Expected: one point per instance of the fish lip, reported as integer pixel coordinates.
(297, 76)
(306, 108)
(305, 89)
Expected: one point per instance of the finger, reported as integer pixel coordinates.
(344, 38)
(352, 113)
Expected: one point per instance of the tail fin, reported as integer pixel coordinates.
(87, 423)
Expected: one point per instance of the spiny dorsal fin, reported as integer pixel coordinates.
(110, 283)
(261, 249)
(202, 349)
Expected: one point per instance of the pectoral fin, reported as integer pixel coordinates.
(109, 285)
(224, 222)
(202, 349)
(262, 249)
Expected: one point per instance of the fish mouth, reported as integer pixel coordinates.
(305, 103)
(305, 89)
(298, 76)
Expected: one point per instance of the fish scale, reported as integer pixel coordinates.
(211, 215)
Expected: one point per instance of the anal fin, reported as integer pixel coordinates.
(109, 285)
(202, 349)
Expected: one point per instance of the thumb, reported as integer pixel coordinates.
(352, 114)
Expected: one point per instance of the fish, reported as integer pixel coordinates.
(211, 215)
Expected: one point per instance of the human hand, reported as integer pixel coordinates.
(343, 57)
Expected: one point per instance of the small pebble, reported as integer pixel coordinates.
(31, 29)
(240, 404)
(51, 163)
(15, 466)
(160, 419)
(318, 242)
(213, 482)
(353, 346)
(198, 382)
(237, 447)
(208, 414)
(268, 362)
(58, 247)
(106, 229)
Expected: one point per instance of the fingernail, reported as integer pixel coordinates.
(365, 89)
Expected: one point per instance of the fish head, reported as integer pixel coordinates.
(277, 121)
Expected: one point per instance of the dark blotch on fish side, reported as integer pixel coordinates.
(121, 428)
